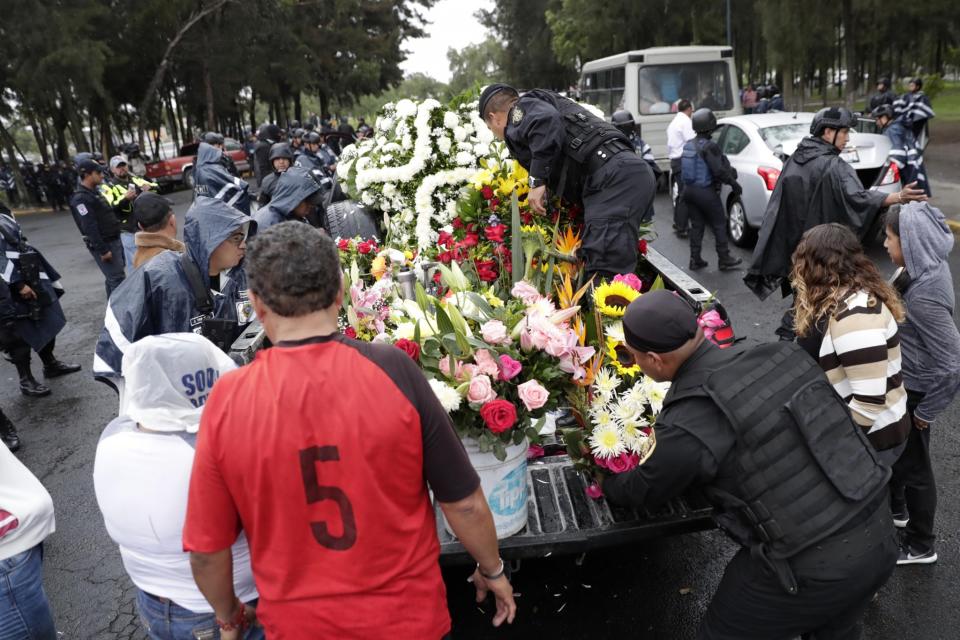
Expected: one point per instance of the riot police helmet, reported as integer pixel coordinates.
(623, 120)
(298, 132)
(212, 137)
(294, 124)
(312, 137)
(269, 133)
(704, 121)
(773, 90)
(831, 118)
(281, 150)
(881, 111)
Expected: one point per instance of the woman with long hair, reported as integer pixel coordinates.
(846, 318)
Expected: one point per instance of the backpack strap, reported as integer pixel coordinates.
(201, 293)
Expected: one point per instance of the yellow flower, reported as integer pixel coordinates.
(481, 178)
(408, 254)
(535, 228)
(567, 244)
(612, 298)
(378, 267)
(492, 298)
(621, 359)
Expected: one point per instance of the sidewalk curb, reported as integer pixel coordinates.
(33, 211)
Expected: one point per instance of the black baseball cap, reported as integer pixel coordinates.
(150, 208)
(89, 166)
(659, 322)
(488, 92)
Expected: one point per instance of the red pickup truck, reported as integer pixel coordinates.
(173, 171)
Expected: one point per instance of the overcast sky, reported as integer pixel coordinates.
(451, 24)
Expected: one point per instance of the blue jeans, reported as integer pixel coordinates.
(129, 248)
(24, 611)
(113, 270)
(169, 621)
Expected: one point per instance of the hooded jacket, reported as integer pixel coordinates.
(815, 187)
(293, 187)
(157, 298)
(212, 179)
(929, 340)
(152, 243)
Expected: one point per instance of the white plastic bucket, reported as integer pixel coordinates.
(504, 484)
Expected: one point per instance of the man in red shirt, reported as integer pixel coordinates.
(321, 450)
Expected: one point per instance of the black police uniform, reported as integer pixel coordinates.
(704, 169)
(100, 229)
(807, 502)
(581, 157)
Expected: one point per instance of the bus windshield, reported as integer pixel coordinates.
(705, 84)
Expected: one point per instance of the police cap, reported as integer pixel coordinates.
(150, 209)
(488, 92)
(88, 166)
(659, 322)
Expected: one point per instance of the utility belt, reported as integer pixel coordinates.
(602, 154)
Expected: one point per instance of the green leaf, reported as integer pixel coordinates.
(574, 441)
(481, 303)
(443, 321)
(485, 442)
(518, 436)
(416, 333)
(658, 284)
(532, 433)
(422, 300)
(515, 239)
(499, 451)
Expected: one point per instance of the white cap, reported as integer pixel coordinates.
(168, 378)
(116, 161)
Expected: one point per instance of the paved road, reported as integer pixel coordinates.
(658, 590)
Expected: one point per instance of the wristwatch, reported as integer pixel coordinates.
(536, 182)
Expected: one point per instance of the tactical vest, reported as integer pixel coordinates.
(693, 166)
(803, 468)
(590, 142)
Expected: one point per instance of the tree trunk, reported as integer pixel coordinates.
(106, 139)
(37, 134)
(208, 89)
(174, 129)
(73, 117)
(253, 110)
(186, 134)
(297, 109)
(850, 42)
(324, 103)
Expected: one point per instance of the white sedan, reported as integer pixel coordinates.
(758, 145)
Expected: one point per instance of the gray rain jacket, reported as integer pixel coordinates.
(293, 187)
(212, 180)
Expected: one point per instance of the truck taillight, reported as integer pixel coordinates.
(891, 176)
(770, 176)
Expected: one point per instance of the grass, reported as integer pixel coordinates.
(947, 104)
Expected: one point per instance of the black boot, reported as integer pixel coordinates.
(696, 262)
(8, 433)
(728, 261)
(53, 368)
(28, 384)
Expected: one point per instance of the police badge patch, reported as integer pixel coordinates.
(516, 115)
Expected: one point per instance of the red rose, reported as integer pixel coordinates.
(499, 415)
(444, 239)
(487, 193)
(366, 246)
(470, 240)
(409, 347)
(486, 270)
(445, 257)
(502, 251)
(496, 232)
(526, 218)
(350, 332)
(494, 203)
(343, 244)
(457, 223)
(642, 246)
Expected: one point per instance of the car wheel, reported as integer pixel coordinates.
(346, 219)
(188, 179)
(739, 230)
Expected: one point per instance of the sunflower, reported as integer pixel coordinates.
(612, 298)
(621, 358)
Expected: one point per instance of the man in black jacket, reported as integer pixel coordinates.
(703, 169)
(582, 158)
(98, 224)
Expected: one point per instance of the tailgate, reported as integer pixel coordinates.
(563, 520)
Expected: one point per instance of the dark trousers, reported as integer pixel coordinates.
(680, 218)
(913, 485)
(836, 581)
(17, 351)
(112, 271)
(705, 210)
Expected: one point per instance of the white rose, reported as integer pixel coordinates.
(450, 120)
(459, 134)
(384, 124)
(464, 158)
(444, 145)
(406, 108)
(389, 190)
(484, 135)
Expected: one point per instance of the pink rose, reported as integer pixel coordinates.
(629, 279)
(486, 363)
(623, 462)
(494, 332)
(594, 491)
(509, 368)
(533, 395)
(469, 371)
(535, 451)
(481, 390)
(526, 292)
(444, 365)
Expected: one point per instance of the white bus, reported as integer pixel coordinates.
(649, 83)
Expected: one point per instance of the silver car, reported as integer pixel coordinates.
(757, 146)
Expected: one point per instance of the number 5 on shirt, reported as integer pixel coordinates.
(309, 458)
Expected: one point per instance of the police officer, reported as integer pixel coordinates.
(704, 169)
(296, 140)
(217, 140)
(624, 121)
(281, 157)
(202, 290)
(30, 311)
(297, 196)
(884, 95)
(794, 480)
(904, 151)
(98, 225)
(313, 155)
(268, 135)
(119, 190)
(815, 187)
(582, 158)
(213, 180)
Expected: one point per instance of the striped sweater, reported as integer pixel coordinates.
(860, 354)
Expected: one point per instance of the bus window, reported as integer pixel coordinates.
(706, 84)
(604, 89)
